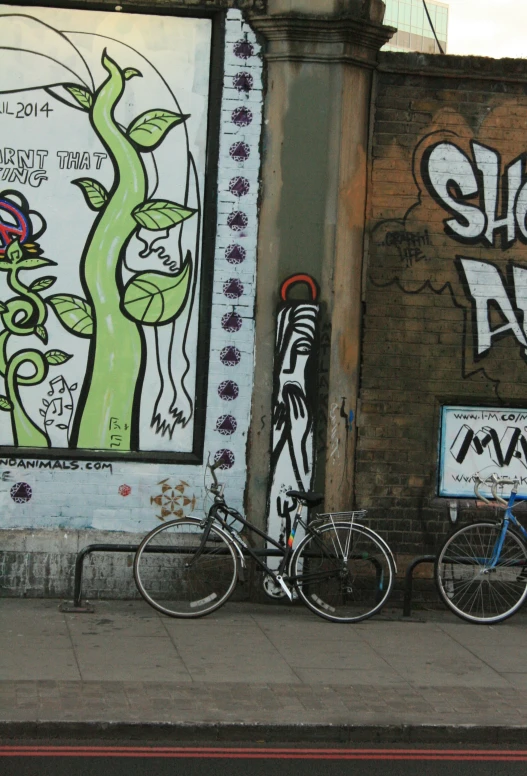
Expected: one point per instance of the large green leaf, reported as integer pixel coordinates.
(149, 129)
(74, 313)
(42, 283)
(83, 96)
(56, 357)
(152, 298)
(160, 214)
(95, 194)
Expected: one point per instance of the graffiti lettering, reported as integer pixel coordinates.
(501, 450)
(479, 442)
(323, 386)
(485, 285)
(79, 160)
(25, 110)
(452, 178)
(23, 463)
(408, 245)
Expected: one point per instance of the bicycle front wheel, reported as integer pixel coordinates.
(475, 586)
(182, 576)
(343, 572)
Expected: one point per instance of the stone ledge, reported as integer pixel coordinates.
(453, 66)
(296, 37)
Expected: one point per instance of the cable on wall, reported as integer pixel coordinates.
(432, 27)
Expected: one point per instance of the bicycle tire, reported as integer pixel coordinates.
(167, 579)
(468, 587)
(346, 572)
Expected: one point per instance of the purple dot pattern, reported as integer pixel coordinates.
(226, 457)
(235, 254)
(240, 223)
(242, 117)
(239, 186)
(226, 425)
(233, 288)
(243, 82)
(21, 492)
(237, 221)
(231, 322)
(228, 390)
(230, 356)
(240, 151)
(243, 49)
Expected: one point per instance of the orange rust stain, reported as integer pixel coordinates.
(353, 192)
(348, 350)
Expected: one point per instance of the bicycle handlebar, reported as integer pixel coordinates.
(494, 481)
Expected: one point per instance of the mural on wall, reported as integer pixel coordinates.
(480, 441)
(101, 180)
(474, 204)
(294, 403)
(121, 494)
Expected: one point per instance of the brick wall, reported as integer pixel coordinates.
(445, 129)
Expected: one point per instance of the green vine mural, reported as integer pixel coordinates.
(116, 307)
(23, 315)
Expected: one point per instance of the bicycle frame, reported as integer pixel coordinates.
(508, 518)
(220, 512)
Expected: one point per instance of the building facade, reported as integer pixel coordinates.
(413, 28)
(270, 245)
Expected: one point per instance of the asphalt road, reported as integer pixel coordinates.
(200, 761)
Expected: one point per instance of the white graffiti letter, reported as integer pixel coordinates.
(488, 163)
(448, 167)
(485, 285)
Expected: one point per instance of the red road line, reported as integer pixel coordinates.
(259, 750)
(459, 756)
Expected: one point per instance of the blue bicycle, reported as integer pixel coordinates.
(481, 569)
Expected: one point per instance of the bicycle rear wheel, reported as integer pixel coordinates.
(179, 575)
(344, 572)
(467, 583)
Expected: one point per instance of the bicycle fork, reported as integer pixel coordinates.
(496, 553)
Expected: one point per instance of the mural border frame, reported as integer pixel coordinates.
(210, 211)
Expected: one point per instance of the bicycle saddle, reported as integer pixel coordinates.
(310, 499)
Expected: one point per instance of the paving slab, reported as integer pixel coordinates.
(272, 670)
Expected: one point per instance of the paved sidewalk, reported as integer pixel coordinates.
(278, 672)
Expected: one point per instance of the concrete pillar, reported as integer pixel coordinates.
(320, 58)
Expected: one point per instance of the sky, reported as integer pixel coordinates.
(489, 28)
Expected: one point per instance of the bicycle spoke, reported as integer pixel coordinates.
(347, 574)
(475, 583)
(181, 573)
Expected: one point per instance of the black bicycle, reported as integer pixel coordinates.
(341, 569)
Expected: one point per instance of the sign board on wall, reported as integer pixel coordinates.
(103, 120)
(481, 441)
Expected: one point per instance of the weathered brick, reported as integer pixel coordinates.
(417, 348)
